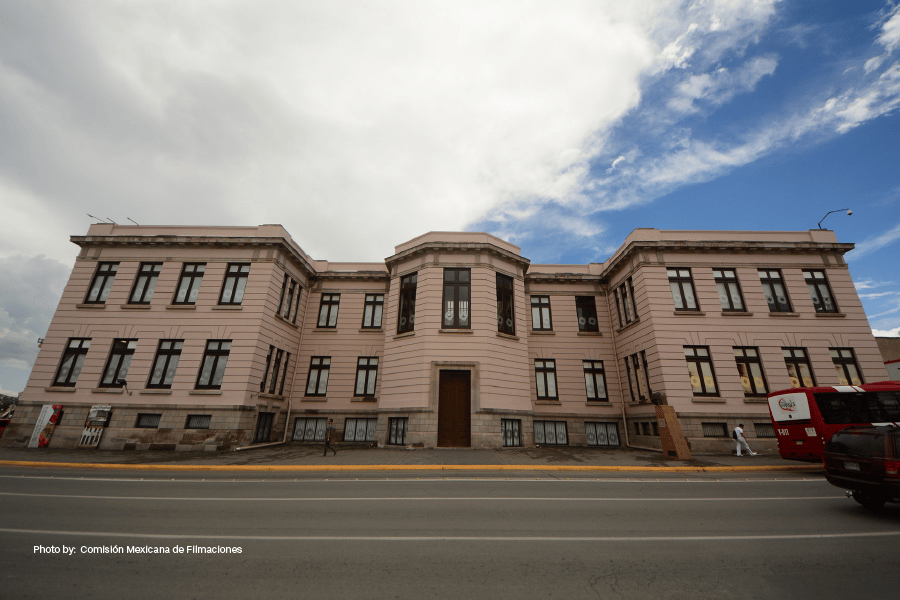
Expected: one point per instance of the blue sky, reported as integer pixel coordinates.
(558, 126)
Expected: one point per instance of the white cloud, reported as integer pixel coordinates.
(895, 332)
(870, 245)
(890, 30)
(720, 86)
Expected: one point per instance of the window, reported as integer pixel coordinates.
(168, 354)
(799, 369)
(148, 421)
(820, 291)
(359, 430)
(625, 305)
(265, 377)
(366, 372)
(750, 371)
(700, 367)
(235, 281)
(729, 290)
(397, 427)
(764, 430)
(457, 283)
(551, 433)
(631, 382)
(682, 289)
(640, 375)
(773, 288)
(279, 354)
(310, 429)
(373, 310)
(287, 359)
(511, 432)
(317, 382)
(212, 370)
(189, 283)
(407, 318)
(602, 434)
(586, 310)
(540, 313)
(198, 422)
(545, 374)
(102, 283)
(117, 365)
(846, 366)
(506, 318)
(264, 422)
(595, 380)
(145, 283)
(714, 430)
(328, 310)
(286, 305)
(72, 361)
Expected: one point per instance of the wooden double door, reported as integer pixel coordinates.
(455, 409)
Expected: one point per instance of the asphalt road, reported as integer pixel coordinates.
(698, 536)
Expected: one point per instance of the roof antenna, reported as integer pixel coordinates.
(93, 217)
(133, 221)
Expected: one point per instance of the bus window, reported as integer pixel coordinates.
(844, 408)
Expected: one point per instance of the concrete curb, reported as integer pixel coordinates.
(143, 467)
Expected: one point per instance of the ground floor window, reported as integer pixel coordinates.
(711, 430)
(764, 430)
(397, 428)
(198, 422)
(263, 427)
(551, 433)
(359, 430)
(309, 429)
(148, 421)
(511, 429)
(602, 434)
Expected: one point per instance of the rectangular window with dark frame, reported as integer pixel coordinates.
(764, 430)
(366, 374)
(682, 286)
(276, 368)
(148, 420)
(799, 368)
(700, 368)
(457, 292)
(372, 311)
(845, 365)
(774, 290)
(729, 290)
(235, 283)
(189, 283)
(102, 283)
(601, 434)
(540, 313)
(820, 291)
(545, 375)
(212, 369)
(551, 433)
(511, 432)
(397, 428)
(714, 430)
(297, 303)
(595, 380)
(359, 430)
(317, 381)
(328, 311)
(641, 376)
(286, 301)
(625, 304)
(117, 364)
(287, 360)
(406, 320)
(631, 380)
(165, 363)
(148, 274)
(506, 317)
(309, 429)
(750, 371)
(198, 422)
(72, 361)
(265, 376)
(586, 311)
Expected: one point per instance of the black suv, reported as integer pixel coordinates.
(865, 461)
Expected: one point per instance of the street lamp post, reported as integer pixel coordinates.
(849, 212)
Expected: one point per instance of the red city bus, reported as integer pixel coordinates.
(805, 418)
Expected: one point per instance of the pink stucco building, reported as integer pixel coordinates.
(220, 337)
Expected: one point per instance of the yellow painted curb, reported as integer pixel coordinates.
(168, 467)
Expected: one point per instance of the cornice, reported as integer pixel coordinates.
(565, 278)
(457, 248)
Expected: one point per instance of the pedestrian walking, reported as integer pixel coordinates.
(738, 435)
(329, 434)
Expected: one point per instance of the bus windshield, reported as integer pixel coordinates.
(844, 408)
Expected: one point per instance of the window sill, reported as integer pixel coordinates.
(754, 400)
(404, 334)
(157, 392)
(135, 306)
(314, 399)
(286, 322)
(598, 403)
(464, 331)
(689, 313)
(205, 392)
(591, 333)
(370, 399)
(59, 388)
(507, 336)
(90, 306)
(784, 314)
(542, 332)
(371, 330)
(830, 315)
(325, 329)
(108, 391)
(269, 396)
(736, 313)
(708, 400)
(181, 307)
(227, 307)
(548, 402)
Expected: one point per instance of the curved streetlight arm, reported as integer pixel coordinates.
(849, 212)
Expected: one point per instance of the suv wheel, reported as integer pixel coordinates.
(869, 501)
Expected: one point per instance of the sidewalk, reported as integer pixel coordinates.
(309, 458)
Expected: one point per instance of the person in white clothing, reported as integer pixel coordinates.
(739, 436)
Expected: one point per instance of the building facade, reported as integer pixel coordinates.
(210, 338)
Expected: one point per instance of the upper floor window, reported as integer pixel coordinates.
(373, 310)
(279, 354)
(145, 283)
(286, 306)
(847, 368)
(625, 305)
(799, 368)
(287, 360)
(72, 361)
(773, 288)
(545, 376)
(586, 311)
(117, 365)
(750, 371)
(212, 369)
(102, 283)
(820, 291)
(682, 289)
(366, 374)
(168, 354)
(317, 382)
(407, 318)
(540, 313)
(506, 318)
(234, 284)
(189, 283)
(700, 367)
(328, 310)
(729, 290)
(595, 380)
(457, 286)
